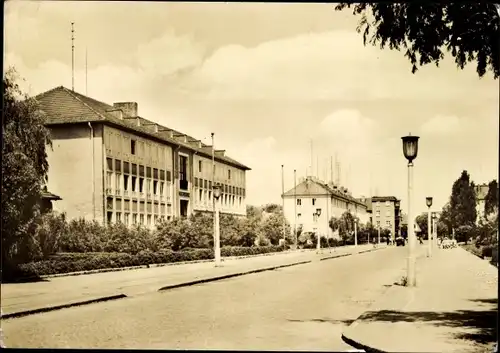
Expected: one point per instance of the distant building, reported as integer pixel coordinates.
(110, 165)
(312, 195)
(387, 213)
(46, 201)
(481, 192)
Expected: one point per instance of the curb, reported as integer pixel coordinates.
(231, 275)
(64, 306)
(335, 256)
(360, 346)
(118, 269)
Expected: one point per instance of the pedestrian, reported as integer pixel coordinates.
(420, 240)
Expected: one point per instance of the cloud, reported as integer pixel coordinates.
(169, 53)
(443, 125)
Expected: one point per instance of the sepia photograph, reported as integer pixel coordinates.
(250, 176)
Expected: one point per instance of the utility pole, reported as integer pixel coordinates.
(295, 206)
(283, 202)
(72, 56)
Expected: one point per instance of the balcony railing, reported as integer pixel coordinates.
(117, 192)
(109, 191)
(125, 192)
(183, 184)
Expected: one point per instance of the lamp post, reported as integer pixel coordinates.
(428, 202)
(217, 191)
(410, 150)
(318, 244)
(378, 234)
(355, 232)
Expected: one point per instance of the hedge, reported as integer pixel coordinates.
(75, 262)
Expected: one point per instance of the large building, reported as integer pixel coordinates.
(109, 164)
(313, 196)
(386, 213)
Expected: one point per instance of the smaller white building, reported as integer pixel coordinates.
(481, 192)
(311, 197)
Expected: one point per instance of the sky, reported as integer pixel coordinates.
(270, 80)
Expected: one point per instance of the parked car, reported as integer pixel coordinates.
(400, 241)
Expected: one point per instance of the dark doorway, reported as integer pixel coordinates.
(184, 208)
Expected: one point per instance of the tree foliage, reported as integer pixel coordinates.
(463, 202)
(491, 199)
(422, 222)
(24, 169)
(425, 31)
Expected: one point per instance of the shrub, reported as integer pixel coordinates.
(487, 251)
(74, 262)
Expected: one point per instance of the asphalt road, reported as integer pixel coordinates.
(303, 307)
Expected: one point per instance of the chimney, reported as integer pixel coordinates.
(129, 108)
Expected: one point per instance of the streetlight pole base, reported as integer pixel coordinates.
(411, 278)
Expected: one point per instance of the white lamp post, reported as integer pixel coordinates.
(410, 150)
(217, 192)
(428, 202)
(318, 245)
(355, 232)
(379, 234)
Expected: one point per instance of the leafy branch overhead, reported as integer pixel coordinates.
(425, 31)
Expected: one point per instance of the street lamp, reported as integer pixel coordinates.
(318, 245)
(397, 229)
(355, 232)
(428, 202)
(217, 192)
(434, 229)
(378, 234)
(410, 150)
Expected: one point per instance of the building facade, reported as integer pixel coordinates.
(111, 165)
(312, 196)
(481, 192)
(386, 213)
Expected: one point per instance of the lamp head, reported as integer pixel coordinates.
(217, 190)
(318, 212)
(410, 147)
(428, 201)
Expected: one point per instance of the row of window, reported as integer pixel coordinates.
(137, 170)
(138, 206)
(205, 196)
(387, 213)
(387, 223)
(336, 202)
(227, 189)
(136, 184)
(134, 218)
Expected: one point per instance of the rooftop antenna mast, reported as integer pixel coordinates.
(311, 159)
(72, 56)
(337, 167)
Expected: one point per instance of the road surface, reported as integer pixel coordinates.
(303, 307)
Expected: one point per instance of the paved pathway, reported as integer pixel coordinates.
(452, 309)
(299, 308)
(21, 297)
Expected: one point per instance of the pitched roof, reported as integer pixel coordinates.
(314, 187)
(384, 198)
(63, 106)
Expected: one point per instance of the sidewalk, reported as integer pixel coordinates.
(452, 309)
(20, 298)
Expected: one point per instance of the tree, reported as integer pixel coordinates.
(272, 208)
(272, 227)
(463, 202)
(469, 31)
(445, 218)
(491, 199)
(422, 222)
(24, 171)
(254, 212)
